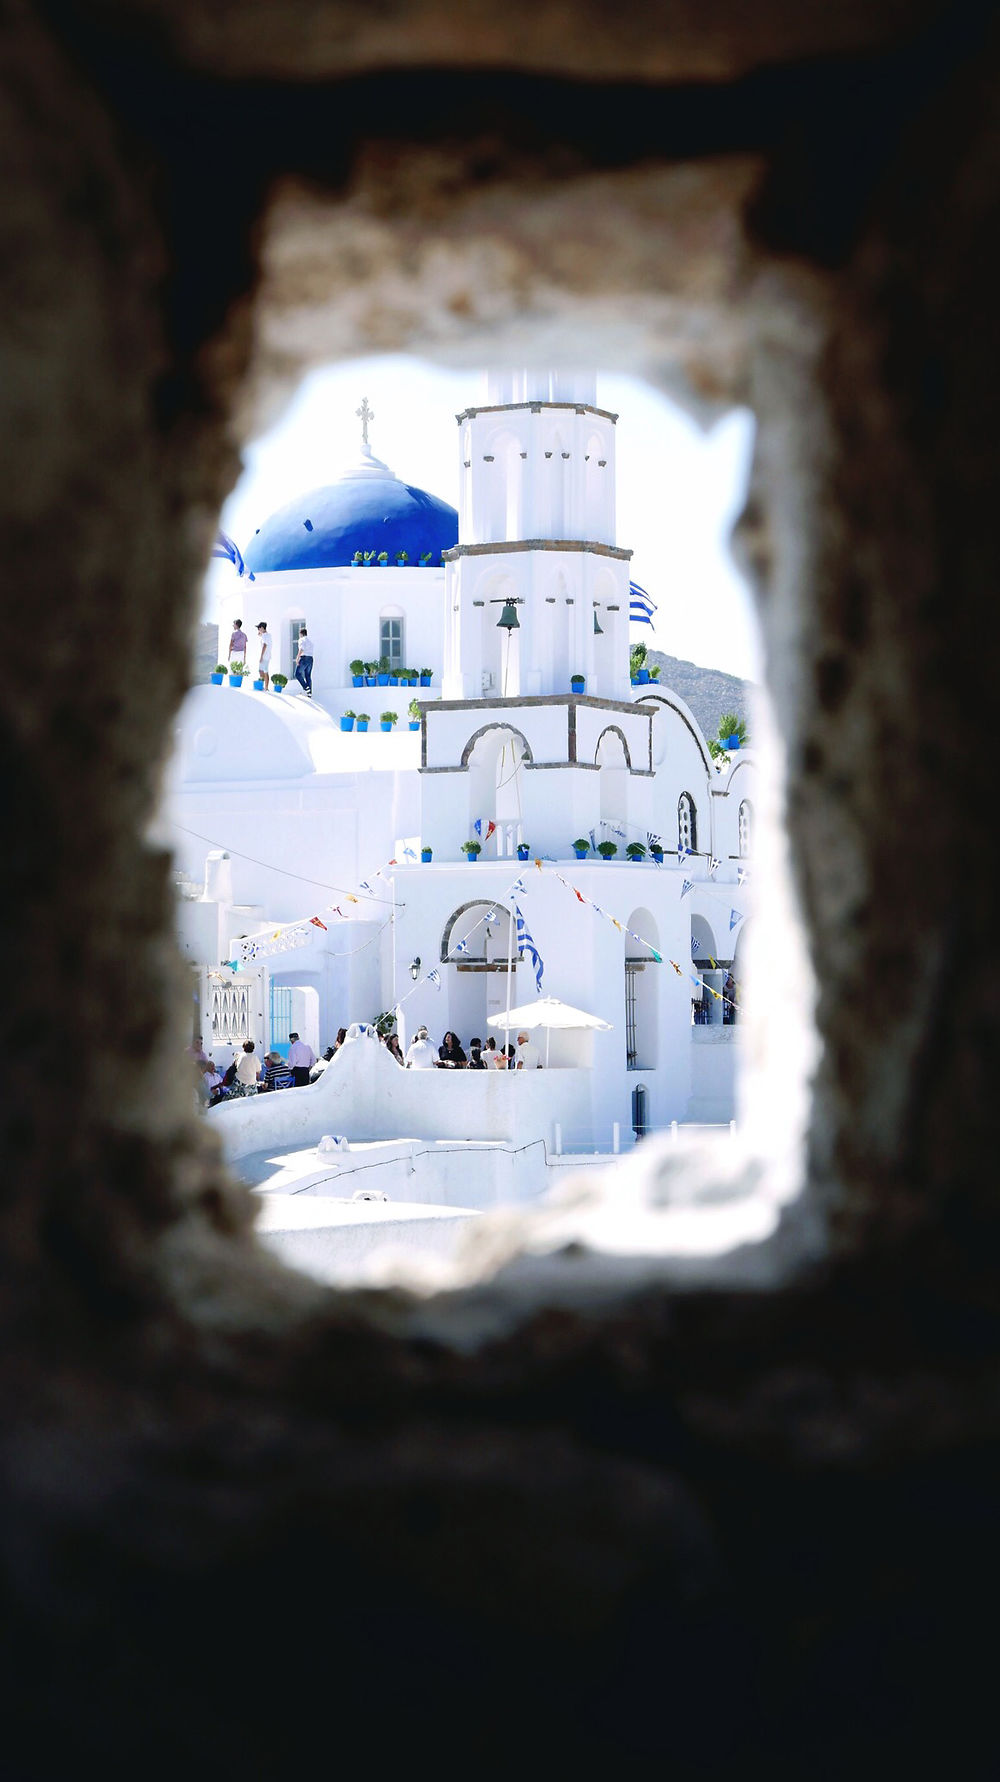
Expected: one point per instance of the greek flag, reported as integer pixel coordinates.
(434, 977)
(517, 889)
(408, 854)
(686, 887)
(713, 865)
(225, 547)
(490, 916)
(695, 944)
(640, 607)
(525, 944)
(462, 946)
(741, 875)
(735, 916)
(682, 851)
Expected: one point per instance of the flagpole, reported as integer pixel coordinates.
(393, 922)
(510, 957)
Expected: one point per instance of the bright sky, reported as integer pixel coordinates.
(679, 488)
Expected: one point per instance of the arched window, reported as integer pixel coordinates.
(391, 638)
(687, 824)
(746, 819)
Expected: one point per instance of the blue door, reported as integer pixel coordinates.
(280, 1017)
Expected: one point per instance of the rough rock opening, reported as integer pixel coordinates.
(563, 1487)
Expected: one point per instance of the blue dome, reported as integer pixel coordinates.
(368, 510)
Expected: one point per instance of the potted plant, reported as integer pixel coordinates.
(388, 720)
(357, 672)
(362, 720)
(523, 851)
(425, 559)
(414, 711)
(425, 855)
(578, 682)
(638, 671)
(258, 685)
(357, 560)
(383, 558)
(382, 671)
(607, 850)
(279, 682)
(581, 847)
(219, 676)
(394, 677)
(237, 669)
(656, 850)
(401, 559)
(654, 673)
(472, 850)
(636, 851)
(407, 677)
(371, 673)
(425, 676)
(368, 559)
(347, 721)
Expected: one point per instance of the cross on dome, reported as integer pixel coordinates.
(365, 414)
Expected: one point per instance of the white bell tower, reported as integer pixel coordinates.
(537, 541)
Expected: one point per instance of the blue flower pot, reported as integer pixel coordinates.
(235, 680)
(347, 723)
(657, 855)
(414, 724)
(383, 680)
(362, 724)
(581, 853)
(524, 853)
(357, 680)
(394, 680)
(425, 680)
(383, 725)
(425, 855)
(578, 686)
(217, 680)
(258, 686)
(732, 742)
(369, 680)
(472, 858)
(276, 687)
(642, 677)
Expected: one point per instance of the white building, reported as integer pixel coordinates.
(281, 820)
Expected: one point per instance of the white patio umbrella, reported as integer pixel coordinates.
(547, 1012)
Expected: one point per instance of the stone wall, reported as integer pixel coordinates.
(630, 1515)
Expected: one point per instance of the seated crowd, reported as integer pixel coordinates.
(251, 1073)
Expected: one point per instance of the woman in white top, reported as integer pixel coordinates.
(248, 1069)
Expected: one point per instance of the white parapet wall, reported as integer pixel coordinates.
(364, 1095)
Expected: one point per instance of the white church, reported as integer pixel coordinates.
(327, 868)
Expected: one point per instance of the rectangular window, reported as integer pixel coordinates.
(631, 1050)
(391, 642)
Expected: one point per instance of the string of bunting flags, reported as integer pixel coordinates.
(290, 936)
(736, 916)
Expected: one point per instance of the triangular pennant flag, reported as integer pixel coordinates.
(695, 944)
(713, 865)
(490, 916)
(686, 887)
(657, 956)
(677, 968)
(462, 946)
(434, 977)
(741, 875)
(734, 917)
(317, 923)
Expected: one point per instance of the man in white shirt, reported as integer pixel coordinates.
(301, 1059)
(264, 638)
(421, 1054)
(528, 1056)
